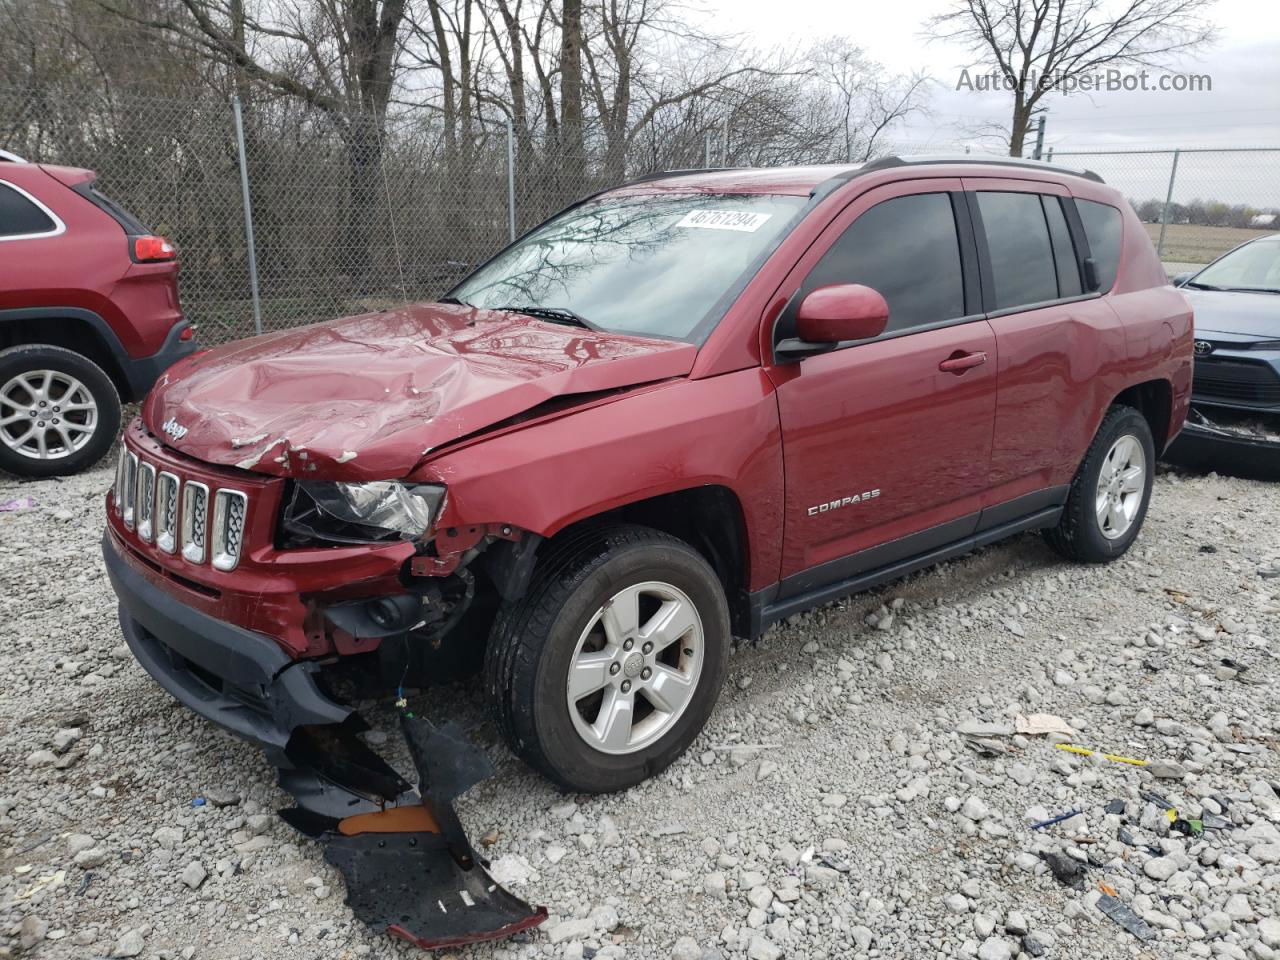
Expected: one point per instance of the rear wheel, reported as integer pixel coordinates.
(1111, 491)
(608, 668)
(59, 412)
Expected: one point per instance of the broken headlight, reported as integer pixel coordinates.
(379, 512)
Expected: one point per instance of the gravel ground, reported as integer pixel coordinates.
(833, 808)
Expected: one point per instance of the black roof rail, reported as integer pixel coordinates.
(885, 163)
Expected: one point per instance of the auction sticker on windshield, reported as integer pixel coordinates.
(725, 220)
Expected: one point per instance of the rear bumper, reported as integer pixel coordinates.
(240, 680)
(142, 372)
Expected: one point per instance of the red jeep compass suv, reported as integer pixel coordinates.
(679, 411)
(89, 317)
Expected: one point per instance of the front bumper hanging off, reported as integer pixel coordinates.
(409, 868)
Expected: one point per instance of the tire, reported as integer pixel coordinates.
(560, 622)
(69, 448)
(1082, 534)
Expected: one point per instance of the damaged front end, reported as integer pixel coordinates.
(409, 868)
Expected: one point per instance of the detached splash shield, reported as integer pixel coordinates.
(409, 868)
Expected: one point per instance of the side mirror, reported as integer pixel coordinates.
(1180, 278)
(832, 315)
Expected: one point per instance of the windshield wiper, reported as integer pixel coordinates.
(453, 302)
(1200, 286)
(554, 314)
(1252, 290)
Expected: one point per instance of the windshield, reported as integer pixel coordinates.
(1255, 266)
(665, 265)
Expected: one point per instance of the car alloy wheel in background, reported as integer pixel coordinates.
(46, 414)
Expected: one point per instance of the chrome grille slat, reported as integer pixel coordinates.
(167, 511)
(145, 507)
(229, 508)
(130, 492)
(195, 512)
(117, 488)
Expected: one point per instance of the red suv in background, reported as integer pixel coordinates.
(680, 411)
(89, 317)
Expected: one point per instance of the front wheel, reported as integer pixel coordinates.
(609, 666)
(1111, 491)
(59, 412)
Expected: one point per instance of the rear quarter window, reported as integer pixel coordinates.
(22, 216)
(1102, 227)
(128, 222)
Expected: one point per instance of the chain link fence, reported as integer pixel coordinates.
(345, 215)
(1196, 203)
(348, 215)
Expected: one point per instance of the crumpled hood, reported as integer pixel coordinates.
(367, 397)
(1255, 316)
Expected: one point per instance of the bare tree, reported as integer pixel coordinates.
(864, 103)
(1033, 44)
(338, 56)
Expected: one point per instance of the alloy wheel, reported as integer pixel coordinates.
(635, 668)
(46, 414)
(1121, 487)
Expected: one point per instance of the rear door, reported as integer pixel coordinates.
(1054, 340)
(887, 442)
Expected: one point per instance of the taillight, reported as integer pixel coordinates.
(148, 249)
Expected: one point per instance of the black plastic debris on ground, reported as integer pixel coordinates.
(1065, 870)
(411, 886)
(426, 886)
(1122, 915)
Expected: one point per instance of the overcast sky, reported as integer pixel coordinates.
(1242, 109)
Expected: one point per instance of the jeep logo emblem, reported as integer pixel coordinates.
(174, 429)
(1203, 348)
(632, 666)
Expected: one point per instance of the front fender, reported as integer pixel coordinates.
(720, 430)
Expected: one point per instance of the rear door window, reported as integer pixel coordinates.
(1102, 228)
(1022, 264)
(22, 216)
(907, 249)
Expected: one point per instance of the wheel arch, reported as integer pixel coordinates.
(72, 328)
(709, 518)
(1154, 400)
